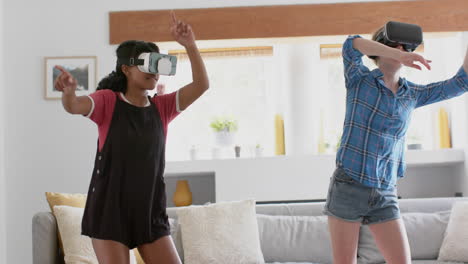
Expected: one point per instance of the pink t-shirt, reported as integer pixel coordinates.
(103, 104)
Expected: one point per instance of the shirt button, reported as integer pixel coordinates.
(97, 171)
(93, 189)
(100, 157)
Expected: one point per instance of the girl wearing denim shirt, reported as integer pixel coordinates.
(370, 159)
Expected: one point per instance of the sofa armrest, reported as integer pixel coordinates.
(44, 239)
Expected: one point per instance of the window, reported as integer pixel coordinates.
(240, 87)
(302, 79)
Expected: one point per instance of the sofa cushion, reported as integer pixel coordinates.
(413, 262)
(77, 248)
(295, 238)
(74, 200)
(225, 232)
(68, 199)
(432, 262)
(425, 234)
(291, 263)
(455, 243)
(176, 235)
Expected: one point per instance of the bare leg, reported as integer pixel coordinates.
(111, 252)
(161, 251)
(344, 237)
(392, 241)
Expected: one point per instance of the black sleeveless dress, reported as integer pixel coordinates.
(126, 197)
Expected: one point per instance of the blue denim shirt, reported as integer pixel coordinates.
(373, 141)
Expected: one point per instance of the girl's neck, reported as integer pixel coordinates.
(137, 97)
(391, 76)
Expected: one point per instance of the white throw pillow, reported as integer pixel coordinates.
(425, 234)
(220, 233)
(455, 244)
(77, 248)
(295, 238)
(176, 235)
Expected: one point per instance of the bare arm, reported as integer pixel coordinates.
(71, 103)
(191, 92)
(373, 48)
(76, 104)
(188, 94)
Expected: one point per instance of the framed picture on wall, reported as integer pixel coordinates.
(83, 68)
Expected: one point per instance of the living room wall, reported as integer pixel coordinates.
(2, 147)
(45, 148)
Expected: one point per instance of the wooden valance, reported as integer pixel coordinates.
(290, 20)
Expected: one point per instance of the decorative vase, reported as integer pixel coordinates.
(322, 145)
(224, 138)
(280, 148)
(444, 129)
(414, 146)
(258, 152)
(193, 153)
(237, 150)
(216, 153)
(182, 194)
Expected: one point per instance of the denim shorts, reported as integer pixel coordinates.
(352, 201)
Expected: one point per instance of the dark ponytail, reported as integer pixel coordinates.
(116, 80)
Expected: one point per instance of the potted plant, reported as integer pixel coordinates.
(258, 150)
(224, 128)
(414, 142)
(332, 144)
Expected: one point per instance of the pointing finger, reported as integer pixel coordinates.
(174, 19)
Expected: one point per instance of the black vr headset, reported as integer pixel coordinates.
(409, 36)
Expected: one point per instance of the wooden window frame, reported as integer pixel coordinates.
(290, 20)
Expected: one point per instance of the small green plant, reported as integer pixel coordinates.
(338, 142)
(224, 124)
(414, 138)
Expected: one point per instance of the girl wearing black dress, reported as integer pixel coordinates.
(126, 204)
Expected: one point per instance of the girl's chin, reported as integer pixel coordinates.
(394, 64)
(149, 88)
(150, 84)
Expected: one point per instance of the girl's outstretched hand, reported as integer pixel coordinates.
(409, 59)
(182, 32)
(65, 82)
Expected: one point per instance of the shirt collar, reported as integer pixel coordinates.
(402, 90)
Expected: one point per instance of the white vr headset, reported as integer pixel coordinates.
(153, 62)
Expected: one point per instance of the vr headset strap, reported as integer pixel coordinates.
(132, 61)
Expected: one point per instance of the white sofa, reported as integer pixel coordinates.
(281, 243)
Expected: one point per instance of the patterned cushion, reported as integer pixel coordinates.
(220, 233)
